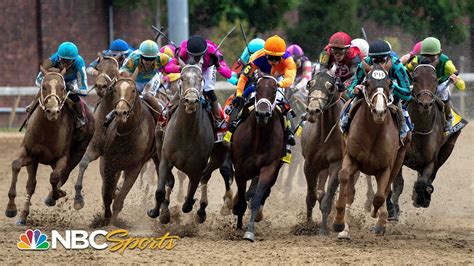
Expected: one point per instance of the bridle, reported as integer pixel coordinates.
(182, 94)
(265, 100)
(122, 99)
(53, 94)
(424, 91)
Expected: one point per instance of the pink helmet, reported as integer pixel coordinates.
(295, 50)
(416, 49)
(168, 50)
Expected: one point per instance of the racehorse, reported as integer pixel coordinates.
(104, 85)
(187, 145)
(129, 144)
(372, 146)
(321, 144)
(257, 148)
(50, 139)
(430, 148)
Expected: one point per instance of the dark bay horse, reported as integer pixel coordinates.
(187, 145)
(104, 83)
(321, 144)
(372, 146)
(129, 144)
(50, 139)
(257, 148)
(429, 148)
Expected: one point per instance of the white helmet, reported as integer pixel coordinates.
(362, 44)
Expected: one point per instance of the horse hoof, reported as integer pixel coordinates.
(344, 235)
(165, 217)
(394, 218)
(21, 222)
(152, 213)
(201, 216)
(378, 230)
(323, 232)
(49, 201)
(188, 206)
(338, 227)
(225, 211)
(249, 236)
(78, 204)
(11, 213)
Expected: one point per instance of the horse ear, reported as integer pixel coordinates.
(311, 83)
(181, 62)
(101, 56)
(328, 85)
(135, 74)
(43, 70)
(63, 71)
(366, 67)
(388, 65)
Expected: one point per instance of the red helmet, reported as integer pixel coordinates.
(340, 40)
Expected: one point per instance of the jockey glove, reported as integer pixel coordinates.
(238, 102)
(214, 60)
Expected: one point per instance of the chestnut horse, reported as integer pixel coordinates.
(50, 139)
(104, 84)
(321, 144)
(372, 146)
(129, 144)
(257, 148)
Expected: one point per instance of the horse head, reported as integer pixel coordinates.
(53, 93)
(265, 98)
(191, 86)
(377, 91)
(125, 97)
(322, 94)
(424, 85)
(108, 72)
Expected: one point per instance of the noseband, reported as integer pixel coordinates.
(330, 101)
(182, 94)
(378, 74)
(424, 91)
(43, 99)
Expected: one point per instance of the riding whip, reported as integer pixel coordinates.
(160, 33)
(225, 37)
(245, 37)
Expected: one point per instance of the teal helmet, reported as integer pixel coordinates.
(149, 49)
(68, 50)
(255, 45)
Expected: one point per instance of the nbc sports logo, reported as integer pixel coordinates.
(33, 240)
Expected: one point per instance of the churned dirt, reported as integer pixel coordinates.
(443, 233)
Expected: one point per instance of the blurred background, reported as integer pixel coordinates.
(32, 30)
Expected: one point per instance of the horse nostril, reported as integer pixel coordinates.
(186, 100)
(57, 111)
(125, 112)
(48, 111)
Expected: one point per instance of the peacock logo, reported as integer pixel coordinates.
(33, 240)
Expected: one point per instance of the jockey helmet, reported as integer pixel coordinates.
(255, 45)
(430, 46)
(149, 49)
(340, 40)
(379, 48)
(118, 45)
(362, 44)
(168, 50)
(295, 50)
(275, 46)
(68, 50)
(196, 46)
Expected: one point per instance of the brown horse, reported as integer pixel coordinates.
(129, 144)
(104, 83)
(187, 145)
(321, 144)
(430, 148)
(257, 148)
(50, 139)
(372, 146)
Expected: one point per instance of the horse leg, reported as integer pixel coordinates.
(30, 190)
(91, 155)
(55, 178)
(398, 184)
(227, 172)
(266, 178)
(109, 184)
(22, 160)
(130, 176)
(345, 174)
(165, 215)
(311, 175)
(251, 191)
(190, 200)
(326, 203)
(239, 202)
(322, 179)
(423, 188)
(160, 193)
(383, 187)
(370, 194)
(182, 179)
(259, 216)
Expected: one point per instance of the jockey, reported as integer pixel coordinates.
(446, 72)
(363, 46)
(272, 59)
(339, 54)
(405, 59)
(380, 52)
(253, 46)
(118, 48)
(197, 50)
(303, 66)
(169, 50)
(67, 56)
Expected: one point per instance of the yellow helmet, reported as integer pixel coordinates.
(275, 46)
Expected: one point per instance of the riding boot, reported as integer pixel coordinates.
(448, 117)
(80, 119)
(153, 103)
(171, 106)
(290, 136)
(404, 129)
(30, 107)
(109, 118)
(216, 110)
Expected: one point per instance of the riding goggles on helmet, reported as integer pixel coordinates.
(337, 50)
(273, 58)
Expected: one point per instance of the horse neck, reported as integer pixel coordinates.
(423, 121)
(43, 126)
(328, 119)
(189, 121)
(261, 133)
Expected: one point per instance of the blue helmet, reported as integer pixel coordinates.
(255, 45)
(118, 45)
(68, 50)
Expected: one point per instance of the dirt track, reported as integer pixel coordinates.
(443, 233)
